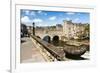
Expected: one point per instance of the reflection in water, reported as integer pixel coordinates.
(76, 58)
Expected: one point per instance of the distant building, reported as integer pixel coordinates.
(73, 30)
(59, 27)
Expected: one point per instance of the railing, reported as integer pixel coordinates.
(54, 51)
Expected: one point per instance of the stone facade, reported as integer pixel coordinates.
(72, 30)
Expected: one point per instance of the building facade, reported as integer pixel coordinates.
(73, 30)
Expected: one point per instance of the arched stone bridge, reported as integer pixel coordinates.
(50, 35)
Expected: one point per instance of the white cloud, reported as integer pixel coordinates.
(41, 24)
(37, 20)
(76, 20)
(45, 13)
(27, 12)
(45, 25)
(52, 18)
(68, 19)
(32, 13)
(70, 13)
(25, 19)
(39, 11)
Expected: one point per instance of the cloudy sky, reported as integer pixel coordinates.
(49, 18)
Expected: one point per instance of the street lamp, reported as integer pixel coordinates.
(33, 28)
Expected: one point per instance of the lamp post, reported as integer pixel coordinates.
(33, 28)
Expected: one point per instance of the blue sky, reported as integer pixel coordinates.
(50, 18)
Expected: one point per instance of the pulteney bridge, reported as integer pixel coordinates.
(50, 36)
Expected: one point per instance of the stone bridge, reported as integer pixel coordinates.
(49, 35)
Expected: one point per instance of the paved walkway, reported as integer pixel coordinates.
(29, 53)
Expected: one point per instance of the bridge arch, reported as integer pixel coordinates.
(55, 40)
(47, 38)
